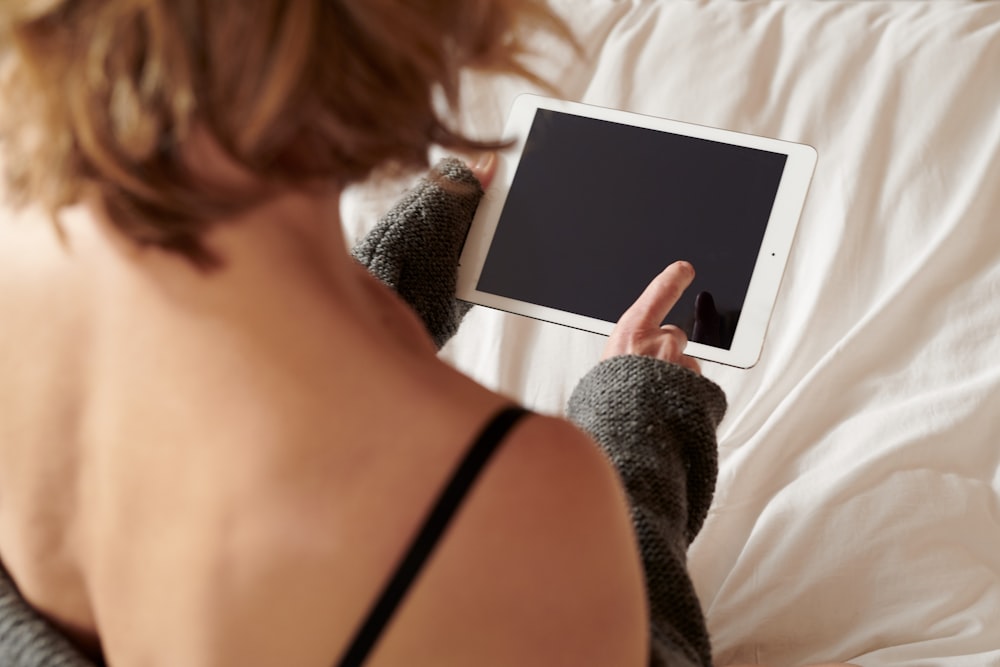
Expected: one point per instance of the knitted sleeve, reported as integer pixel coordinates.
(26, 639)
(656, 421)
(415, 247)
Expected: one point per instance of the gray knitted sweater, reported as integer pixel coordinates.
(655, 421)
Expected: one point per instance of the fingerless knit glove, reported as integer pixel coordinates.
(415, 247)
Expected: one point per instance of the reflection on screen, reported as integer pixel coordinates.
(597, 209)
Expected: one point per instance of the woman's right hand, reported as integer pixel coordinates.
(639, 330)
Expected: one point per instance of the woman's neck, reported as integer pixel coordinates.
(296, 231)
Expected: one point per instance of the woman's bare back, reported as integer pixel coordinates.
(223, 469)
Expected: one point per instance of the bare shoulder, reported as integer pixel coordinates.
(540, 567)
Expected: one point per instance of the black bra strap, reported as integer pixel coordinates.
(430, 533)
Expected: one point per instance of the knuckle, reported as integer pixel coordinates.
(675, 333)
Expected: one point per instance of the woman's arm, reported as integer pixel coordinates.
(646, 405)
(649, 409)
(415, 247)
(656, 422)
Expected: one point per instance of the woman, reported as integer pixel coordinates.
(220, 435)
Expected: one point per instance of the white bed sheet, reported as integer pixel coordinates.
(857, 514)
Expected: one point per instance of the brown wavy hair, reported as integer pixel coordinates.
(102, 95)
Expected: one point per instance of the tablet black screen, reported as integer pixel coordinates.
(597, 209)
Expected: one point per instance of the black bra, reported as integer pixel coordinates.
(430, 534)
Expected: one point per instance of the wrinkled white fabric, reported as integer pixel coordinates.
(857, 514)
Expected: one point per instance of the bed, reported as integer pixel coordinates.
(857, 512)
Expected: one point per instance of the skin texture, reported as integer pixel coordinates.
(222, 469)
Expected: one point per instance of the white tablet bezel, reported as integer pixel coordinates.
(762, 292)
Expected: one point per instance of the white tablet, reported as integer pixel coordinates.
(589, 204)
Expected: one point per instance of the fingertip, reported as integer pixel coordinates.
(484, 167)
(484, 160)
(680, 271)
(685, 266)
